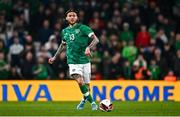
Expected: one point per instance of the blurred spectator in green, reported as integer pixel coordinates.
(4, 67)
(34, 5)
(152, 30)
(177, 42)
(130, 51)
(40, 70)
(6, 6)
(155, 70)
(126, 34)
(3, 48)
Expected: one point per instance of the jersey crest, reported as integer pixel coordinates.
(77, 31)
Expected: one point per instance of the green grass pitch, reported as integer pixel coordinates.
(69, 109)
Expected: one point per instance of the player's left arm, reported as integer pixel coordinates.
(93, 43)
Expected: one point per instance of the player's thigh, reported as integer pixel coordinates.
(75, 69)
(87, 73)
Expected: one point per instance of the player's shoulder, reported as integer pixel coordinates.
(65, 29)
(83, 26)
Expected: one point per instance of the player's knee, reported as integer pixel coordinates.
(80, 81)
(78, 78)
(75, 76)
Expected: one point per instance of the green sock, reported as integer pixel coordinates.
(84, 97)
(86, 93)
(84, 89)
(89, 98)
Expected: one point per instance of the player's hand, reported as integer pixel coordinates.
(51, 60)
(88, 52)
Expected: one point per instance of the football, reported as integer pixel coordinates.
(106, 105)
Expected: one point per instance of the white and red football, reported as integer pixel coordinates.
(106, 105)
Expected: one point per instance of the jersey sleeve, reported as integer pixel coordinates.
(87, 30)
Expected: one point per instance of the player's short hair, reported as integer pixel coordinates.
(71, 10)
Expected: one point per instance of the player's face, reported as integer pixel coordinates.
(71, 18)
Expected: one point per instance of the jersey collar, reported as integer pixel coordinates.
(74, 26)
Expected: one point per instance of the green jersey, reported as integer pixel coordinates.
(77, 39)
(43, 74)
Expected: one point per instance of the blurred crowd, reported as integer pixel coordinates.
(139, 39)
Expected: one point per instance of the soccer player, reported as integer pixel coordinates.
(76, 38)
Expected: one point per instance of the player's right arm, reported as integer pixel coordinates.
(59, 50)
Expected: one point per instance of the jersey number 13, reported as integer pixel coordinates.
(71, 36)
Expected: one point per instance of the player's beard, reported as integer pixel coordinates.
(72, 22)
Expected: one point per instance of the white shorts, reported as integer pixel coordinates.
(82, 69)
